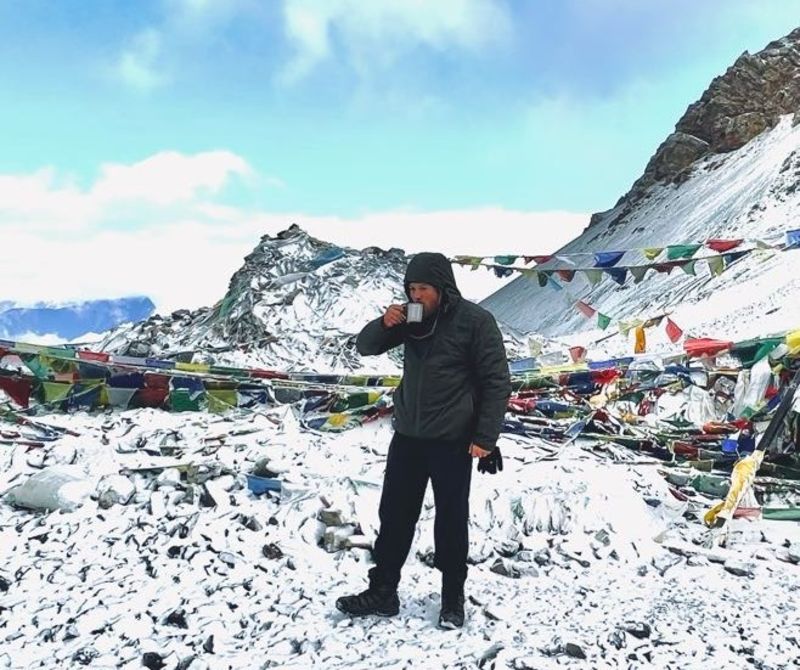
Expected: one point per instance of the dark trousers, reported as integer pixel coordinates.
(409, 465)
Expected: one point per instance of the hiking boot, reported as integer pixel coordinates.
(379, 600)
(451, 615)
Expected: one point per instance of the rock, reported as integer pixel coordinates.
(215, 495)
(543, 557)
(738, 567)
(251, 523)
(4, 585)
(153, 661)
(58, 487)
(177, 618)
(507, 547)
(497, 612)
(208, 645)
(158, 504)
(503, 567)
(603, 537)
(697, 561)
(574, 650)
(663, 562)
(336, 537)
(793, 554)
(358, 542)
(639, 629)
(85, 655)
(272, 551)
(331, 517)
(114, 490)
(62, 454)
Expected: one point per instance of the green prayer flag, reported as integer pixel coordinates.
(676, 251)
(55, 391)
(593, 276)
(688, 267)
(505, 260)
(638, 272)
(716, 265)
(182, 400)
(603, 321)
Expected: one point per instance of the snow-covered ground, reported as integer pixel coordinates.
(207, 575)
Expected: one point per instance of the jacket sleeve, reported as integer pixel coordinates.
(375, 338)
(493, 383)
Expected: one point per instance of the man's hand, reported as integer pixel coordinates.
(394, 316)
(492, 462)
(478, 452)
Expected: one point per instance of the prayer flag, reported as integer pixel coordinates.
(593, 276)
(688, 267)
(586, 310)
(675, 251)
(607, 259)
(716, 265)
(651, 253)
(603, 321)
(640, 345)
(619, 275)
(638, 272)
(720, 246)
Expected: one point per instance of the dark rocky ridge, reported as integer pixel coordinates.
(749, 98)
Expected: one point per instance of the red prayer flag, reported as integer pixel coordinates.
(86, 355)
(674, 333)
(566, 275)
(577, 354)
(537, 259)
(586, 310)
(721, 246)
(705, 346)
(17, 388)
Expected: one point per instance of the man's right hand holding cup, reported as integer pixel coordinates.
(394, 316)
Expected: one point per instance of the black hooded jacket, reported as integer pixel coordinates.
(455, 373)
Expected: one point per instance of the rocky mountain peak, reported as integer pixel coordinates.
(749, 98)
(295, 303)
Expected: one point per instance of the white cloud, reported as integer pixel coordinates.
(181, 244)
(169, 177)
(375, 33)
(138, 65)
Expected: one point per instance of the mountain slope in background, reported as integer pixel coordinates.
(295, 304)
(71, 320)
(730, 170)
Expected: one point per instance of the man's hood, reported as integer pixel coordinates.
(436, 270)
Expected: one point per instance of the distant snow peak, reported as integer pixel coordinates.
(68, 321)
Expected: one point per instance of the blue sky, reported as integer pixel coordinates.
(344, 110)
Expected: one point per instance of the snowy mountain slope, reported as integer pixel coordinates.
(295, 304)
(71, 320)
(749, 191)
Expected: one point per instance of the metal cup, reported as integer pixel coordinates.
(414, 312)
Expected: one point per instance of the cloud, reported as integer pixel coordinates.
(182, 242)
(169, 177)
(138, 64)
(372, 34)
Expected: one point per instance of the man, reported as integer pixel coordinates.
(447, 410)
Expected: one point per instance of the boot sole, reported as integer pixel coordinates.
(449, 625)
(382, 614)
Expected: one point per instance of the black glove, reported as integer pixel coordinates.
(491, 463)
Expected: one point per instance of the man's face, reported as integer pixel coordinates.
(425, 294)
